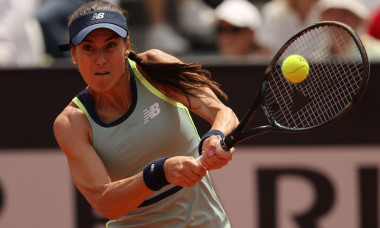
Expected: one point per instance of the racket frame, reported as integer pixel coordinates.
(238, 134)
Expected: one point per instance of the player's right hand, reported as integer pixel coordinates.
(183, 171)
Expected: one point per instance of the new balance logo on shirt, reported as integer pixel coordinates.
(152, 112)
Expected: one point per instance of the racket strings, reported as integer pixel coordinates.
(335, 76)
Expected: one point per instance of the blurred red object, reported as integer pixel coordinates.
(374, 24)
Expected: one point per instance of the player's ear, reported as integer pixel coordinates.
(73, 55)
(127, 47)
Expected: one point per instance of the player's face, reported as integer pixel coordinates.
(101, 59)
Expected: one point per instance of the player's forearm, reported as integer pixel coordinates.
(121, 197)
(225, 120)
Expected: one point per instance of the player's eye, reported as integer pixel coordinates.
(111, 45)
(88, 47)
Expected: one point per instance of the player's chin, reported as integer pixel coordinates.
(101, 86)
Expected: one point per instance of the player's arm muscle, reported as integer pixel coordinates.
(111, 199)
(209, 107)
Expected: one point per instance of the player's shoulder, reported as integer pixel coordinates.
(69, 118)
(72, 130)
(156, 55)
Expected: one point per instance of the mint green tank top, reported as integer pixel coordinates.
(154, 127)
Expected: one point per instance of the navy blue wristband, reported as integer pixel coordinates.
(208, 134)
(154, 174)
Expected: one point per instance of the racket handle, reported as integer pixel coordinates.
(227, 142)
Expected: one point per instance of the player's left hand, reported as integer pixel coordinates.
(213, 155)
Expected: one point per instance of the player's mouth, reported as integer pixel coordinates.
(102, 74)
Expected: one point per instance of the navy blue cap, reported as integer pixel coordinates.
(86, 23)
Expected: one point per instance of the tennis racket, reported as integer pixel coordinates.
(338, 74)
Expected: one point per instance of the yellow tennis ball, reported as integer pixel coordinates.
(295, 68)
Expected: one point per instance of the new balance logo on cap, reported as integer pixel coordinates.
(97, 16)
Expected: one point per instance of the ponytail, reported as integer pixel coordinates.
(180, 77)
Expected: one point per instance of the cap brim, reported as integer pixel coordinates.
(78, 38)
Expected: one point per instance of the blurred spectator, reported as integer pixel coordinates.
(238, 26)
(374, 24)
(195, 18)
(350, 12)
(284, 18)
(355, 14)
(53, 17)
(371, 4)
(21, 42)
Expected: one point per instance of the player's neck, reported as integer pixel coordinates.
(112, 104)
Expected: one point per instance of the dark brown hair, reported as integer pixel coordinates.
(179, 77)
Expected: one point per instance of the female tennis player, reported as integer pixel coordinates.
(129, 139)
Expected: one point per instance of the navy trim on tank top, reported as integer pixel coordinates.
(87, 102)
(160, 196)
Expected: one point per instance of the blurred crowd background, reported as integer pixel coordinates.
(205, 30)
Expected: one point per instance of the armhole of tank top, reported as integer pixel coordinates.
(81, 106)
(151, 88)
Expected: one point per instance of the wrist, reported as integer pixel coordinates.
(215, 132)
(154, 174)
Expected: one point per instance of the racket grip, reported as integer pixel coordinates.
(224, 144)
(227, 142)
